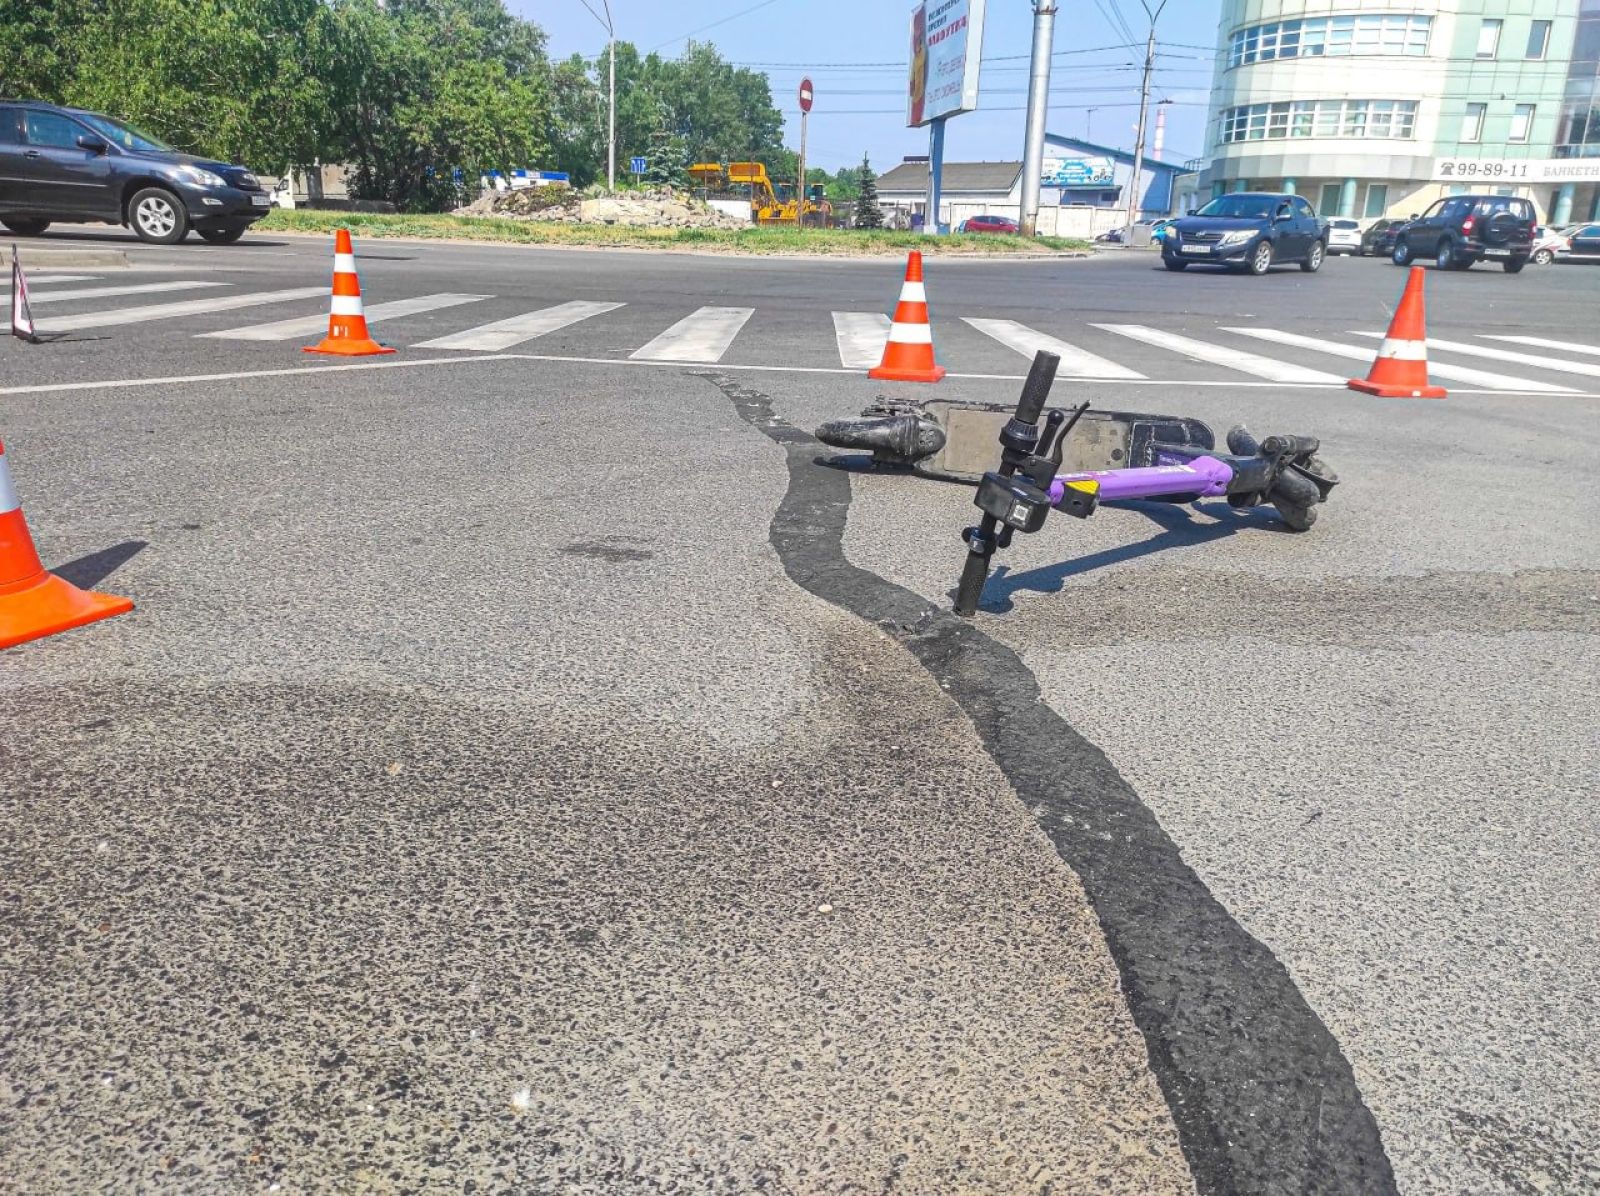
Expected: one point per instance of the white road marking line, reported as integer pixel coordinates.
(300, 371)
(1539, 342)
(284, 330)
(1459, 373)
(166, 311)
(39, 280)
(1539, 361)
(143, 288)
(1233, 359)
(393, 364)
(703, 336)
(1075, 362)
(503, 334)
(861, 336)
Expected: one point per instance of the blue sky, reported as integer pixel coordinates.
(862, 107)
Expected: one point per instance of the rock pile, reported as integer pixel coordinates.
(657, 208)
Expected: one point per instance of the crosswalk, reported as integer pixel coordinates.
(782, 336)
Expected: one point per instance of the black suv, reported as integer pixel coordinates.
(68, 164)
(1249, 230)
(1459, 230)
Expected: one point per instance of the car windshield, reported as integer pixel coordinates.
(1248, 207)
(128, 139)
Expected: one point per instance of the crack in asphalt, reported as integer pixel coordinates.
(1262, 1096)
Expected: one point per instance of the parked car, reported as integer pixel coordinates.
(1378, 240)
(988, 224)
(1116, 236)
(1584, 244)
(1547, 242)
(1460, 230)
(1344, 236)
(67, 164)
(1249, 230)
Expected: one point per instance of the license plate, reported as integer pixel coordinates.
(1196, 249)
(261, 201)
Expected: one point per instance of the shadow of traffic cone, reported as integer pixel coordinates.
(21, 314)
(35, 603)
(347, 323)
(908, 354)
(1400, 370)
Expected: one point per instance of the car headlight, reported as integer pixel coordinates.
(1237, 236)
(202, 178)
(249, 181)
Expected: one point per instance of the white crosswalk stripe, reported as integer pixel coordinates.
(170, 311)
(1233, 359)
(1538, 361)
(703, 336)
(860, 336)
(1075, 362)
(283, 330)
(503, 334)
(1539, 342)
(143, 288)
(1436, 369)
(44, 280)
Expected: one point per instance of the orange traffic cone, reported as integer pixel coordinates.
(908, 355)
(1401, 368)
(35, 603)
(347, 323)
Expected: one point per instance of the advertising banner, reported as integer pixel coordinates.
(1516, 172)
(946, 46)
(1079, 172)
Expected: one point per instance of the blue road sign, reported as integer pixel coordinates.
(638, 165)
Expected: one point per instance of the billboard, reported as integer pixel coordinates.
(1079, 172)
(946, 46)
(1515, 172)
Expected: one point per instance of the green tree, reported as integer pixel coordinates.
(868, 213)
(668, 164)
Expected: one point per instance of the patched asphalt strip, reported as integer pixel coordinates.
(1263, 1098)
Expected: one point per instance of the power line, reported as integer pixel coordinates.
(743, 12)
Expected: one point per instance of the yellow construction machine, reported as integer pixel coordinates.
(769, 203)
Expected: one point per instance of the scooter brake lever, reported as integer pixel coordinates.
(1060, 447)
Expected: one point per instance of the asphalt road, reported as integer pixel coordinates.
(532, 767)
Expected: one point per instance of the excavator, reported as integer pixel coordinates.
(769, 203)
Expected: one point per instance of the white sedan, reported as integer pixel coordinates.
(1344, 236)
(1546, 244)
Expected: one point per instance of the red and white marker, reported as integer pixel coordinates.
(806, 95)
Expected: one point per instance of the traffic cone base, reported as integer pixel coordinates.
(35, 603)
(347, 322)
(51, 605)
(908, 353)
(1400, 371)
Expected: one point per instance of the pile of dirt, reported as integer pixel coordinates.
(660, 207)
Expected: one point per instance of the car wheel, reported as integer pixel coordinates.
(1314, 257)
(1173, 264)
(1544, 257)
(157, 216)
(1402, 253)
(1514, 264)
(1445, 257)
(1261, 258)
(222, 236)
(25, 227)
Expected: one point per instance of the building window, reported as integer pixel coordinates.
(1314, 37)
(1472, 123)
(1489, 37)
(1387, 120)
(1538, 39)
(1377, 199)
(1521, 123)
(1332, 194)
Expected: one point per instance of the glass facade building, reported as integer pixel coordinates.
(1376, 109)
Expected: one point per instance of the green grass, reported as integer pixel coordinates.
(741, 241)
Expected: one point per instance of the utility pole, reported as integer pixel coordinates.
(611, 120)
(1144, 104)
(1044, 32)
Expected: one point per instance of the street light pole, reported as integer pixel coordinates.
(1044, 28)
(611, 119)
(1144, 104)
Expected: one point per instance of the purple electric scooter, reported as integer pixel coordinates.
(1284, 471)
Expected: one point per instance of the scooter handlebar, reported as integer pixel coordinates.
(1036, 390)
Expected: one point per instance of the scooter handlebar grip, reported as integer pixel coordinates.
(1294, 446)
(1036, 390)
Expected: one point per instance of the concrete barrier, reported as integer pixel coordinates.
(44, 257)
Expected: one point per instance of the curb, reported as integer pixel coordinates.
(41, 258)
